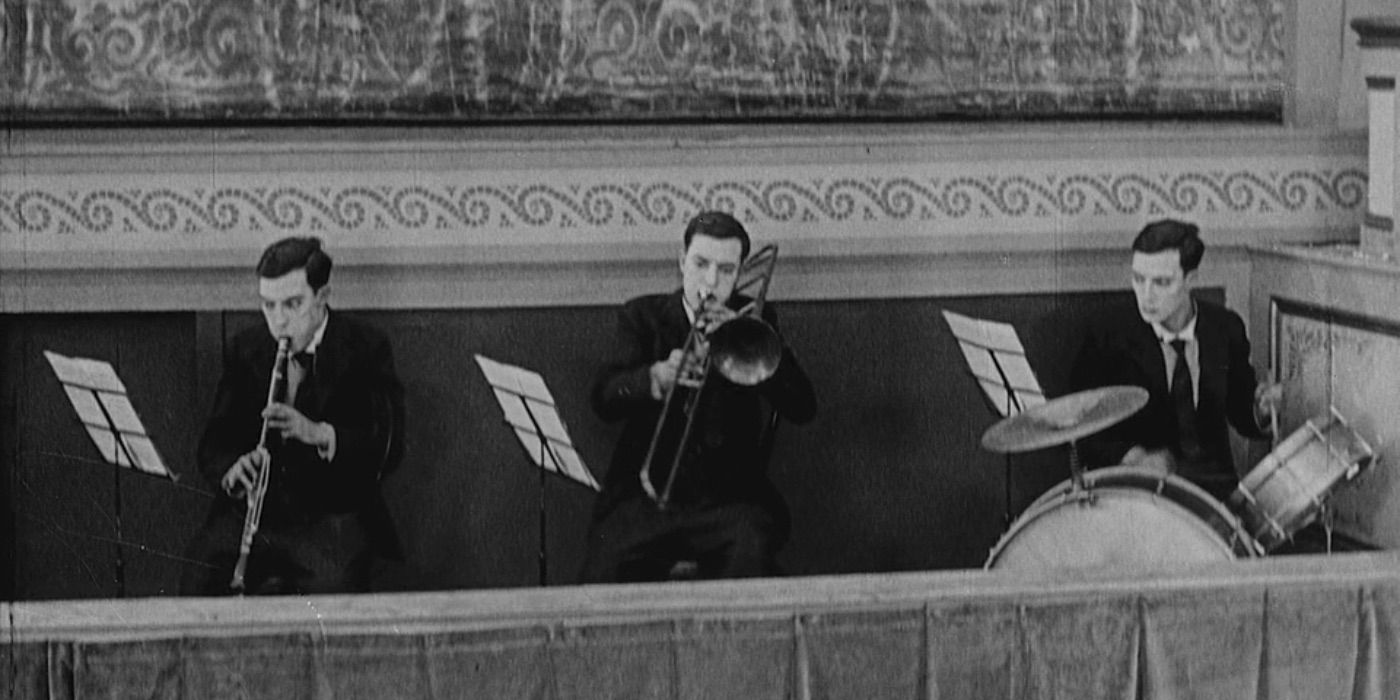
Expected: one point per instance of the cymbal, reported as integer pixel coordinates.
(1065, 419)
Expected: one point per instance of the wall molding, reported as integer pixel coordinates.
(587, 205)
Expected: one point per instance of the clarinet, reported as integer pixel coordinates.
(275, 390)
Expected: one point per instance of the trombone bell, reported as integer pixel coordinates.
(745, 350)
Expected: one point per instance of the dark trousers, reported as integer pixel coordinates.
(636, 541)
(327, 555)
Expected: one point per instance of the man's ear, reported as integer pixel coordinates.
(323, 295)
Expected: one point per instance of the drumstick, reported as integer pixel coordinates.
(1273, 422)
(1273, 414)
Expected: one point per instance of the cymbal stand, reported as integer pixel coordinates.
(1078, 490)
(1326, 516)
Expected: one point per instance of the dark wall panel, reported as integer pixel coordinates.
(65, 537)
(889, 477)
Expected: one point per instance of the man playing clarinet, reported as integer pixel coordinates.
(327, 438)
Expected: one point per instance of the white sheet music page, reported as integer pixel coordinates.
(526, 402)
(574, 467)
(85, 372)
(99, 398)
(987, 345)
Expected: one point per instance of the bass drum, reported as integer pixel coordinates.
(1125, 518)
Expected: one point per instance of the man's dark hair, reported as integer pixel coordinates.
(1170, 233)
(717, 224)
(295, 253)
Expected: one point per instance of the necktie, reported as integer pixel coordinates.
(298, 371)
(1184, 401)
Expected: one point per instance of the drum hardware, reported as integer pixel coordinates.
(744, 349)
(1080, 494)
(1288, 489)
(1065, 420)
(1324, 516)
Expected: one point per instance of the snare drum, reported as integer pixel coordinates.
(1286, 490)
(1125, 518)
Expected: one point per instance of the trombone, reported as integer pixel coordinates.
(745, 350)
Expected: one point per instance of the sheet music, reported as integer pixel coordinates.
(92, 386)
(123, 414)
(533, 386)
(525, 401)
(106, 442)
(574, 467)
(147, 458)
(1019, 374)
(980, 362)
(549, 421)
(85, 404)
(516, 380)
(570, 464)
(138, 446)
(85, 373)
(1001, 336)
(514, 409)
(987, 344)
(497, 374)
(998, 395)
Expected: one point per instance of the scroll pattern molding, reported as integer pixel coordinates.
(470, 209)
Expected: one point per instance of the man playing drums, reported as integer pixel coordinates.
(1191, 355)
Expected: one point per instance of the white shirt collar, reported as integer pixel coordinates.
(320, 333)
(689, 312)
(1188, 333)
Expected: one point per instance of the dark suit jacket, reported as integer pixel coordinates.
(1121, 348)
(726, 458)
(352, 386)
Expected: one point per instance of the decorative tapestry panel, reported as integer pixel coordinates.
(470, 61)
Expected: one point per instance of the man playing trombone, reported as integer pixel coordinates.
(326, 429)
(687, 481)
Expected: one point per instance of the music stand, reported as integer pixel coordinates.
(998, 363)
(531, 413)
(100, 400)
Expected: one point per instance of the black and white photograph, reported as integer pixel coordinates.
(680, 349)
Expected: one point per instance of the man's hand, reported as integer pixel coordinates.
(715, 315)
(1267, 398)
(1158, 462)
(663, 375)
(239, 478)
(294, 426)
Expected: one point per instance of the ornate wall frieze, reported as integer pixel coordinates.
(862, 202)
